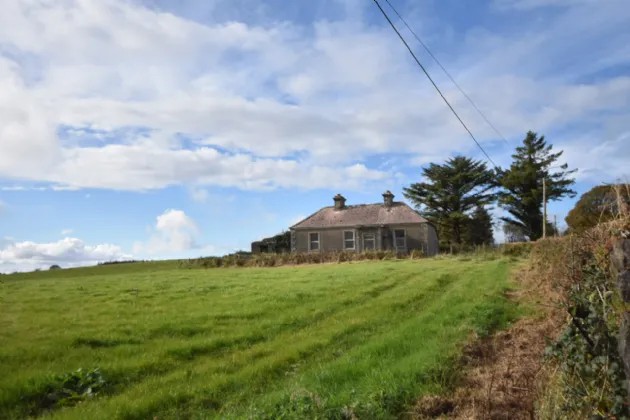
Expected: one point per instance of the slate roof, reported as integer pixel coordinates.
(362, 214)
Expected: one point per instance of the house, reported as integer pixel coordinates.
(276, 244)
(389, 225)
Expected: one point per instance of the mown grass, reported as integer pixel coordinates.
(331, 341)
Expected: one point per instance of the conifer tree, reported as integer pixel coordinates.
(452, 191)
(522, 184)
(479, 229)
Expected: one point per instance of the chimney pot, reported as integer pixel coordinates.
(340, 202)
(388, 198)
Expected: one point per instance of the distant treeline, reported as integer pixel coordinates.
(123, 262)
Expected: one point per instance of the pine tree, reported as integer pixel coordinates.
(522, 184)
(451, 192)
(479, 229)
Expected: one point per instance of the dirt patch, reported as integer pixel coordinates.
(501, 373)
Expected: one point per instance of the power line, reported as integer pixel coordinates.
(432, 82)
(446, 72)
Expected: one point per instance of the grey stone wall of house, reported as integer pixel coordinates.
(418, 237)
(293, 244)
(620, 263)
(330, 239)
(432, 241)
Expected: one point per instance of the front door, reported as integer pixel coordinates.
(369, 242)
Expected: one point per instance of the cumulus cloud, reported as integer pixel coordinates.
(117, 95)
(173, 232)
(66, 232)
(67, 252)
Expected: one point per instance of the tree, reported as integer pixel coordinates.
(600, 204)
(54, 267)
(522, 184)
(451, 192)
(513, 233)
(278, 243)
(479, 229)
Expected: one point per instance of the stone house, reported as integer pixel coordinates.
(389, 225)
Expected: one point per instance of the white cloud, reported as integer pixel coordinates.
(203, 195)
(533, 4)
(250, 98)
(68, 252)
(31, 188)
(199, 194)
(66, 232)
(174, 232)
(13, 188)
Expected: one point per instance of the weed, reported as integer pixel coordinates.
(64, 390)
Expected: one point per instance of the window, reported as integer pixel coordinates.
(348, 239)
(369, 242)
(400, 240)
(313, 241)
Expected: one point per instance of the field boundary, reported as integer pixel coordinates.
(501, 372)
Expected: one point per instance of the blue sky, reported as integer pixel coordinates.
(159, 129)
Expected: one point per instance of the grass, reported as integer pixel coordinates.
(330, 341)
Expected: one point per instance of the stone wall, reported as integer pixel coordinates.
(620, 263)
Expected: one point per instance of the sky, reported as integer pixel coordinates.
(170, 129)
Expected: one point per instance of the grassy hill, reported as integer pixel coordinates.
(336, 339)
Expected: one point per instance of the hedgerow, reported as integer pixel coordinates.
(588, 379)
(276, 260)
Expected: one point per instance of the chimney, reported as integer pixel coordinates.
(340, 202)
(388, 198)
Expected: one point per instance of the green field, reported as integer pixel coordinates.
(291, 342)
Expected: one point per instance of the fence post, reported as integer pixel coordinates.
(620, 264)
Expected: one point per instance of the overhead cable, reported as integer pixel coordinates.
(432, 82)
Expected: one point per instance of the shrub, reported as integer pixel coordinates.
(241, 259)
(589, 380)
(370, 255)
(69, 389)
(416, 254)
(344, 256)
(121, 262)
(386, 255)
(517, 249)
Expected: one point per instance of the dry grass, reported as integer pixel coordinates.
(504, 375)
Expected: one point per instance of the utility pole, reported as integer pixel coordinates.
(544, 207)
(545, 201)
(555, 225)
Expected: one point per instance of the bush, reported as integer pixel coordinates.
(516, 249)
(121, 262)
(416, 254)
(275, 260)
(589, 380)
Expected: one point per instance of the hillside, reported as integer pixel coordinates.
(337, 339)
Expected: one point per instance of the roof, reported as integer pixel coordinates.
(361, 215)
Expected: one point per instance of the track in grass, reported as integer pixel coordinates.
(332, 340)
